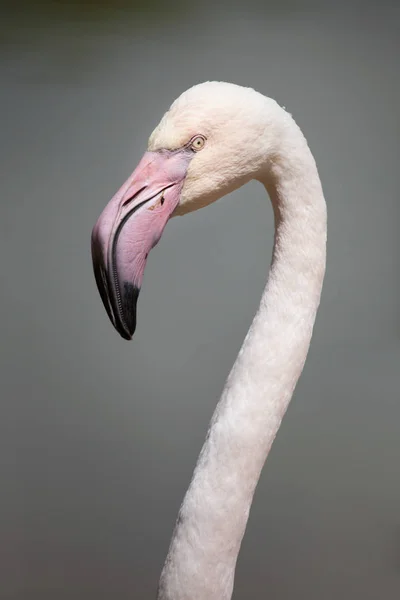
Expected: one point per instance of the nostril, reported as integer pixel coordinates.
(135, 195)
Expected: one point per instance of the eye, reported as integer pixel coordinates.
(197, 143)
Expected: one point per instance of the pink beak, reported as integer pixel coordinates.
(130, 226)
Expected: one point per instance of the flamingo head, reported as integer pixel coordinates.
(210, 142)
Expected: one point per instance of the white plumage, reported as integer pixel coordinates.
(248, 136)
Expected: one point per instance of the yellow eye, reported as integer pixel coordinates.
(197, 143)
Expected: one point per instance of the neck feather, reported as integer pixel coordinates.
(202, 556)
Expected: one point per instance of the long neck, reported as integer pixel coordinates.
(202, 556)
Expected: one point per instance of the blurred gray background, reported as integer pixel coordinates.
(99, 436)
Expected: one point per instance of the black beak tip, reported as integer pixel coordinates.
(119, 303)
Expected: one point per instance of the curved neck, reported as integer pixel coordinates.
(213, 517)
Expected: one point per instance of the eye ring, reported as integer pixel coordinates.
(197, 143)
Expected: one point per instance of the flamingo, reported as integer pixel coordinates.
(215, 138)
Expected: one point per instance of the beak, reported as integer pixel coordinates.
(129, 227)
